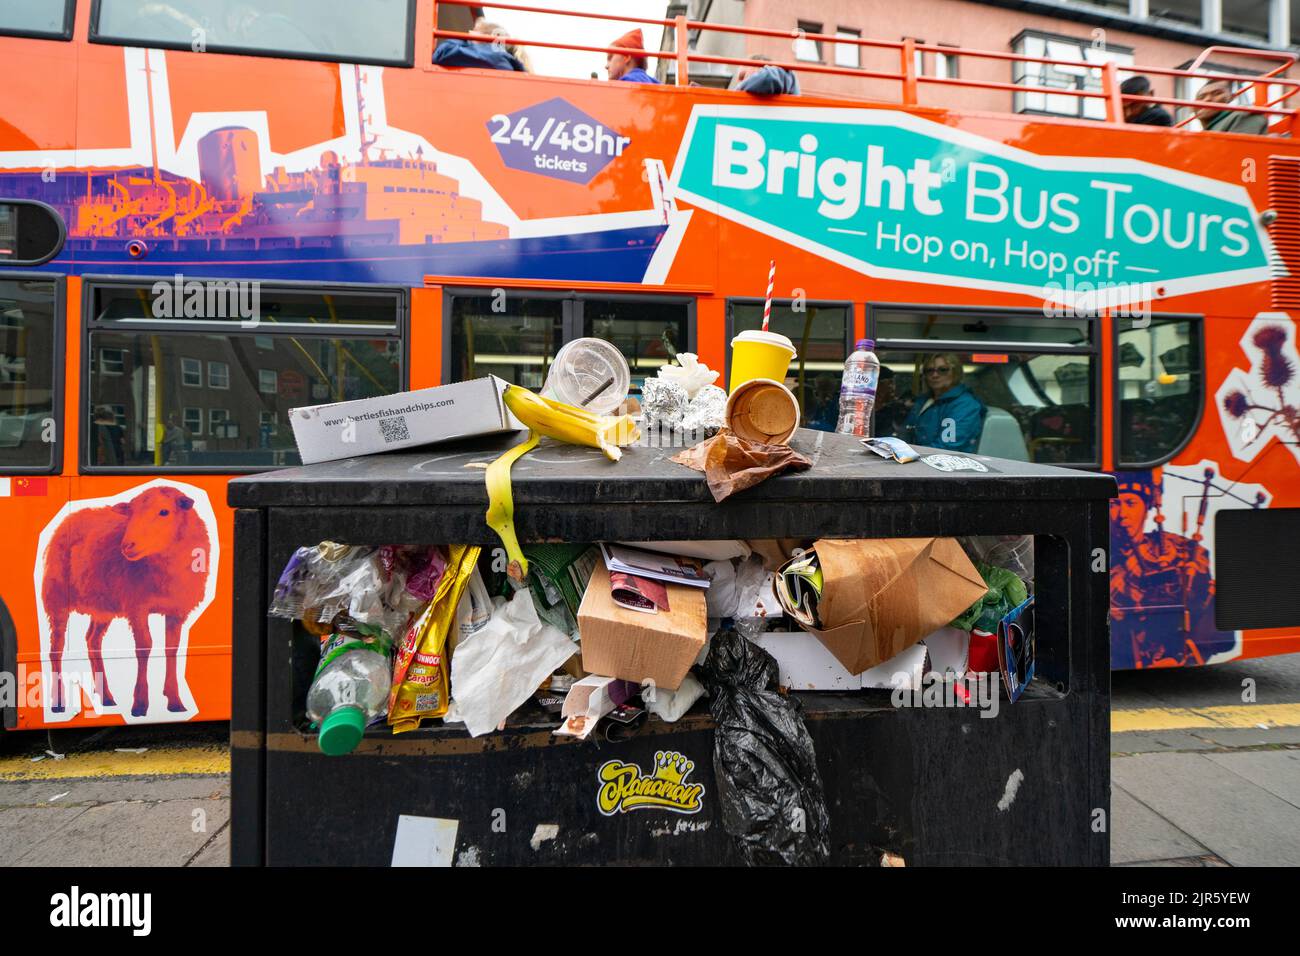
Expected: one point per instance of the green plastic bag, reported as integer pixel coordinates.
(1006, 591)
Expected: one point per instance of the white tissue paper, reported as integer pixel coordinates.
(949, 650)
(756, 591)
(720, 597)
(669, 705)
(496, 669)
(691, 374)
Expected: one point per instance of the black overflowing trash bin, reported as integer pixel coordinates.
(902, 777)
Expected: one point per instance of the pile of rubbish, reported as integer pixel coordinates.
(603, 636)
(598, 637)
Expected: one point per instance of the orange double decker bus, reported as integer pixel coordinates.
(207, 220)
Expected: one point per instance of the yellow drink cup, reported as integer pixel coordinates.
(759, 354)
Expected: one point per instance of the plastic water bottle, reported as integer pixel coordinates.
(349, 691)
(858, 390)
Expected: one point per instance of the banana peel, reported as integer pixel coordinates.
(501, 505)
(558, 420)
(569, 423)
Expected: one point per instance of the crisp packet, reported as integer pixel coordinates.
(894, 448)
(420, 671)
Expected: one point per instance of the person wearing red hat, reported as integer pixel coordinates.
(629, 67)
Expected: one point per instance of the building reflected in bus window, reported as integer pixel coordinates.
(171, 423)
(1028, 392)
(180, 396)
(27, 355)
(1160, 388)
(820, 333)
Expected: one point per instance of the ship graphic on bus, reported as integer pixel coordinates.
(374, 206)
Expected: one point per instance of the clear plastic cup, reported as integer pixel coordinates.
(589, 373)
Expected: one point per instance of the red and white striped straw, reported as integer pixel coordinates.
(767, 304)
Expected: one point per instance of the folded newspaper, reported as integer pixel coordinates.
(657, 567)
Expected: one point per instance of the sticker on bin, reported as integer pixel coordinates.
(894, 448)
(624, 787)
(956, 463)
(424, 841)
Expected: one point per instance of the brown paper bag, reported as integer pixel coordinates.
(775, 551)
(881, 596)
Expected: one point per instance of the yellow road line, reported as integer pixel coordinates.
(160, 761)
(1206, 718)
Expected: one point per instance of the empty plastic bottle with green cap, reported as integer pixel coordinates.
(349, 691)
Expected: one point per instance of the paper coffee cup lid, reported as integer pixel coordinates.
(767, 338)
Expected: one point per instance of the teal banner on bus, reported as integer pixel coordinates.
(900, 197)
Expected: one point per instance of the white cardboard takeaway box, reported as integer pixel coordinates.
(804, 663)
(368, 426)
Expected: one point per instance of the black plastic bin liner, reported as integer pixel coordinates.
(766, 774)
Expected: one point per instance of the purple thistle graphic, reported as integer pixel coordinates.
(1277, 372)
(1236, 404)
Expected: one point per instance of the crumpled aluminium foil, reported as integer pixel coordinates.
(707, 410)
(663, 403)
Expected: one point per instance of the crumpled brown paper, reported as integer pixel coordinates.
(731, 463)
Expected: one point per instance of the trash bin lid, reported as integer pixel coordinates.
(341, 730)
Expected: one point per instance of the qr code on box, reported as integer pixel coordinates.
(394, 429)
(425, 702)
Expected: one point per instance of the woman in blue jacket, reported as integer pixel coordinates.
(488, 54)
(947, 414)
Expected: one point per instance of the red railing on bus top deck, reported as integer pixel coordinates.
(911, 80)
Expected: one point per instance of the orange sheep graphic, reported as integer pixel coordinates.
(132, 559)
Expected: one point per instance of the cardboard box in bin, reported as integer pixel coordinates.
(880, 596)
(367, 426)
(635, 646)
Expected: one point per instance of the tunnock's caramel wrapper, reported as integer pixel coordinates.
(421, 681)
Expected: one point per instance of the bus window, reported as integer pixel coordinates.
(986, 329)
(225, 301)
(1160, 388)
(515, 336)
(164, 395)
(27, 374)
(649, 333)
(31, 233)
(507, 335)
(1027, 391)
(820, 333)
(46, 19)
(377, 31)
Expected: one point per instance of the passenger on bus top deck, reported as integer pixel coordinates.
(1143, 114)
(1227, 121)
(946, 414)
(766, 80)
(629, 67)
(493, 55)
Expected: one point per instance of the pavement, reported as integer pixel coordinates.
(1205, 768)
(1205, 765)
(119, 797)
